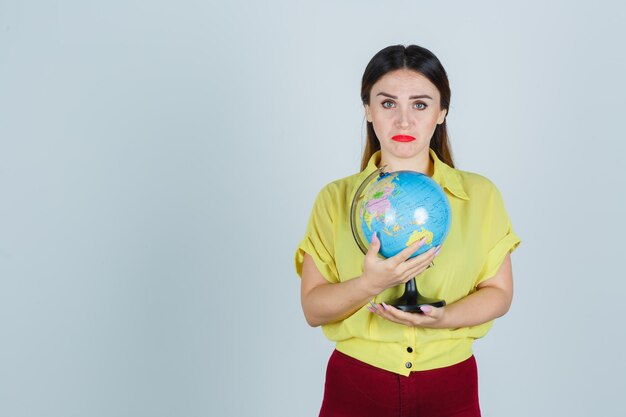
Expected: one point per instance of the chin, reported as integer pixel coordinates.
(406, 150)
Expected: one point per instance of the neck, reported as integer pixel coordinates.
(421, 163)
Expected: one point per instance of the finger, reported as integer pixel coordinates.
(415, 271)
(431, 314)
(426, 257)
(375, 308)
(411, 319)
(394, 314)
(418, 264)
(427, 310)
(374, 246)
(399, 316)
(404, 254)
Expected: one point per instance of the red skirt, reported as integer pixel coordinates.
(354, 388)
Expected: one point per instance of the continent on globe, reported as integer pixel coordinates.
(419, 235)
(378, 204)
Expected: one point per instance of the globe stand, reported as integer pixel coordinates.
(412, 300)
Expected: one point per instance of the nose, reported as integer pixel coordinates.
(403, 120)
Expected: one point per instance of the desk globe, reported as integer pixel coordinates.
(401, 207)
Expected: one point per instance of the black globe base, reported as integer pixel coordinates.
(412, 300)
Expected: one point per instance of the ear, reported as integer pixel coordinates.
(368, 114)
(442, 116)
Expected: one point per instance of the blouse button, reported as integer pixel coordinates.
(409, 349)
(408, 364)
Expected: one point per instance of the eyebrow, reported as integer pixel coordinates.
(410, 98)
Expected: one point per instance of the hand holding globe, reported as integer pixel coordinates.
(399, 269)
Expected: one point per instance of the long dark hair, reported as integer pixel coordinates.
(418, 59)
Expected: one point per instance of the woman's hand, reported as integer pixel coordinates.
(431, 317)
(381, 274)
(491, 300)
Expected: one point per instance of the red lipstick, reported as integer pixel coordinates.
(403, 138)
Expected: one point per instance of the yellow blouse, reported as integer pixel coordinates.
(480, 236)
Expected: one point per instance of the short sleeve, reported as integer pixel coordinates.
(319, 239)
(499, 236)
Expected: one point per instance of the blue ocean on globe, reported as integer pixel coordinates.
(403, 207)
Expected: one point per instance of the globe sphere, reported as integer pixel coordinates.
(401, 207)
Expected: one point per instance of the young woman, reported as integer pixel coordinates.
(388, 362)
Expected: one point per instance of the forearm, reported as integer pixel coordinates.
(479, 307)
(329, 303)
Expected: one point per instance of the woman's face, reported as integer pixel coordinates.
(404, 110)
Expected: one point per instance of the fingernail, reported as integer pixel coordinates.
(437, 250)
(374, 237)
(384, 305)
(422, 241)
(371, 310)
(426, 309)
